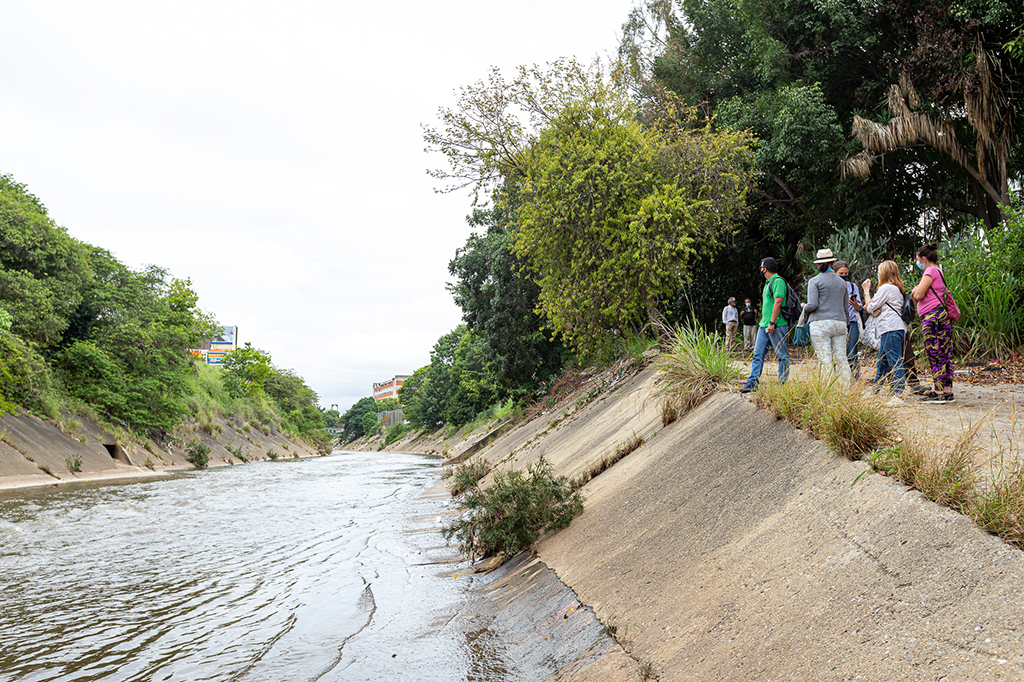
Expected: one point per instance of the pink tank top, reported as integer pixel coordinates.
(933, 299)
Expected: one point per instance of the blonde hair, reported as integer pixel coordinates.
(889, 273)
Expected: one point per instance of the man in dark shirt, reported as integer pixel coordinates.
(748, 316)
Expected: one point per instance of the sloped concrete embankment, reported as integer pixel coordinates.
(35, 452)
(732, 547)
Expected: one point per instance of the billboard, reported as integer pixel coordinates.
(225, 342)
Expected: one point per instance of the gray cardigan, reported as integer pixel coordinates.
(827, 298)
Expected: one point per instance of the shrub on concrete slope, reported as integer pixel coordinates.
(696, 364)
(197, 454)
(465, 476)
(512, 514)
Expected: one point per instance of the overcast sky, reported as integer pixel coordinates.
(272, 152)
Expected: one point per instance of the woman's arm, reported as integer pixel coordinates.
(867, 300)
(812, 295)
(921, 290)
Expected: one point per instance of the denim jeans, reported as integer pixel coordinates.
(852, 337)
(778, 342)
(890, 360)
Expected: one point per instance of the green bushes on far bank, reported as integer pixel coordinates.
(81, 332)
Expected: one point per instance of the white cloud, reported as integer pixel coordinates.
(272, 153)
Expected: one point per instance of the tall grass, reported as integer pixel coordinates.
(694, 364)
(854, 424)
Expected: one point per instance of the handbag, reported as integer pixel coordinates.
(952, 309)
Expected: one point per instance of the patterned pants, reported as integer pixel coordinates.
(938, 346)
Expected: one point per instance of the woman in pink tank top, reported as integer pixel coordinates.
(935, 322)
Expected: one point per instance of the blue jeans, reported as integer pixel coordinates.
(852, 337)
(778, 342)
(890, 360)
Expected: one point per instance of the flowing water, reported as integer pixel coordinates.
(319, 569)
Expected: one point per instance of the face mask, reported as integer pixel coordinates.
(919, 264)
(845, 277)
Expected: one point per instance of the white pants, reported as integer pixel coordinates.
(829, 340)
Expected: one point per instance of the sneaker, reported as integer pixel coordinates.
(895, 402)
(934, 397)
(921, 390)
(748, 387)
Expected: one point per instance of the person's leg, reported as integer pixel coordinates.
(944, 354)
(757, 363)
(898, 381)
(882, 366)
(730, 333)
(909, 362)
(839, 351)
(778, 339)
(749, 336)
(822, 345)
(936, 358)
(852, 351)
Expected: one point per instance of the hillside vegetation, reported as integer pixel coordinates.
(82, 333)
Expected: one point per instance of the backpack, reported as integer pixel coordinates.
(907, 312)
(791, 308)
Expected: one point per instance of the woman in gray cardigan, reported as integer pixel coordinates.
(828, 309)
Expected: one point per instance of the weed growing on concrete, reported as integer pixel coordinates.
(999, 508)
(45, 468)
(396, 432)
(466, 476)
(609, 461)
(8, 441)
(272, 455)
(853, 423)
(669, 412)
(514, 511)
(647, 673)
(73, 463)
(694, 365)
(197, 454)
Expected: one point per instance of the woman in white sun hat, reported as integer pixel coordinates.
(828, 309)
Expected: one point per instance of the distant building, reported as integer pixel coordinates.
(389, 388)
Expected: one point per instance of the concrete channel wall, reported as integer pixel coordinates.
(732, 547)
(35, 452)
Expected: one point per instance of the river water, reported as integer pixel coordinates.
(319, 569)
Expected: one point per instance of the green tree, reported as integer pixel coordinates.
(246, 371)
(353, 418)
(43, 271)
(370, 423)
(123, 350)
(613, 212)
(498, 298)
(331, 418)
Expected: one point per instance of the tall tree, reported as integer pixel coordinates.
(498, 298)
(43, 271)
(613, 211)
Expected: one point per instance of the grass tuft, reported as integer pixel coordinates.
(852, 423)
(695, 364)
(609, 461)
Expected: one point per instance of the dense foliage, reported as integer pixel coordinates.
(513, 512)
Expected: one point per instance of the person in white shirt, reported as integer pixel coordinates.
(886, 307)
(731, 319)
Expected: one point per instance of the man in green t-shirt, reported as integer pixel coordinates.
(773, 328)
